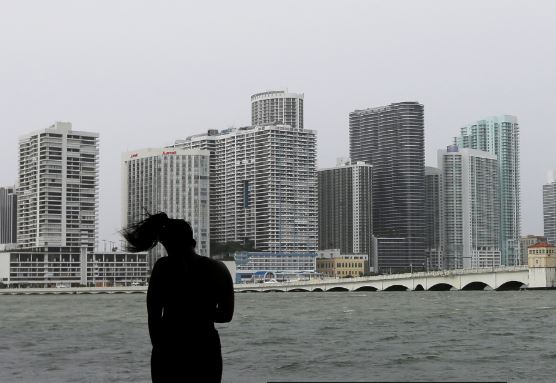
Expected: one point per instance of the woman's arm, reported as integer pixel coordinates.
(225, 295)
(155, 305)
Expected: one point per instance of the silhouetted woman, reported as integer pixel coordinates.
(187, 294)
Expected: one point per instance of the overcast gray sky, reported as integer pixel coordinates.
(146, 73)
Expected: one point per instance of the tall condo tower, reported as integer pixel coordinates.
(345, 214)
(8, 215)
(500, 136)
(391, 139)
(433, 218)
(277, 107)
(263, 186)
(58, 188)
(471, 209)
(549, 207)
(174, 181)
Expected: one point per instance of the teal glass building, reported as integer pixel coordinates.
(499, 135)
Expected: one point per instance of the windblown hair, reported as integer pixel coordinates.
(145, 234)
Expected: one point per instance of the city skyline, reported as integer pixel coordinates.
(151, 86)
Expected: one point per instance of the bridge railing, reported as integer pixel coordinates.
(383, 277)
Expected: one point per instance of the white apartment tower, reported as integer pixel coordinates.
(58, 188)
(174, 181)
(471, 209)
(277, 108)
(345, 207)
(263, 186)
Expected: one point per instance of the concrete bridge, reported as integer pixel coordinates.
(502, 278)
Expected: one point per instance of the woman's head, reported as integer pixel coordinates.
(174, 234)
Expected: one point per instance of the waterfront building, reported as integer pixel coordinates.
(542, 255)
(264, 187)
(527, 241)
(471, 209)
(117, 268)
(71, 267)
(500, 136)
(57, 194)
(345, 207)
(277, 108)
(174, 181)
(8, 215)
(343, 266)
(433, 218)
(542, 266)
(391, 139)
(284, 266)
(549, 207)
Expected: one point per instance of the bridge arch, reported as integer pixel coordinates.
(510, 285)
(396, 288)
(298, 290)
(419, 287)
(337, 288)
(474, 286)
(317, 290)
(366, 288)
(441, 287)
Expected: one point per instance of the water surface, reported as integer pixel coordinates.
(414, 336)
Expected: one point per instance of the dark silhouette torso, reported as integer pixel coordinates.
(182, 300)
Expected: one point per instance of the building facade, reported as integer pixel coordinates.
(471, 209)
(500, 136)
(174, 181)
(277, 108)
(8, 215)
(343, 266)
(345, 208)
(58, 188)
(433, 218)
(264, 187)
(549, 207)
(391, 139)
(527, 241)
(71, 267)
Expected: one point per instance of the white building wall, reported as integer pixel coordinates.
(58, 188)
(174, 181)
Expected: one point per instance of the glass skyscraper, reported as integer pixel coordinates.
(391, 139)
(500, 136)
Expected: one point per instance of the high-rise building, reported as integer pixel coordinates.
(527, 241)
(391, 139)
(174, 181)
(500, 136)
(264, 187)
(345, 209)
(471, 209)
(549, 207)
(277, 108)
(434, 218)
(58, 188)
(8, 215)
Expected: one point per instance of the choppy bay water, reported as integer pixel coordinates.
(414, 336)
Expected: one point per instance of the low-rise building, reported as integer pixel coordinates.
(71, 267)
(117, 268)
(283, 266)
(542, 255)
(527, 241)
(342, 266)
(542, 266)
